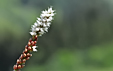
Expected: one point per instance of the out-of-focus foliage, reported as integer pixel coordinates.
(80, 37)
(97, 58)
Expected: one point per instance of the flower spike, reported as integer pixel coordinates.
(38, 29)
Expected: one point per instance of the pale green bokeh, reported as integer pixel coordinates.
(80, 38)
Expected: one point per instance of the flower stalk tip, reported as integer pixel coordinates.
(43, 23)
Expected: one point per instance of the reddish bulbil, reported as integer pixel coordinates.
(26, 54)
(24, 60)
(15, 67)
(29, 43)
(19, 67)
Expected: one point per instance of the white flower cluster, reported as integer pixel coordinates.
(43, 23)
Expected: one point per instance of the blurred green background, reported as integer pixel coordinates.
(80, 38)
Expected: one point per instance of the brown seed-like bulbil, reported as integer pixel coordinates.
(22, 66)
(19, 66)
(27, 58)
(35, 42)
(21, 57)
(28, 54)
(19, 61)
(32, 43)
(24, 60)
(24, 55)
(29, 48)
(15, 67)
(26, 50)
(26, 47)
(30, 39)
(36, 37)
(29, 43)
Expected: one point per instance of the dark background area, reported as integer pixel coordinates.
(79, 39)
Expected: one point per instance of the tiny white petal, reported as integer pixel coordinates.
(48, 24)
(43, 15)
(50, 19)
(44, 25)
(39, 19)
(38, 23)
(41, 29)
(46, 29)
(50, 10)
(41, 33)
(44, 20)
(34, 48)
(47, 15)
(44, 12)
(35, 24)
(37, 29)
(32, 33)
(33, 29)
(52, 14)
